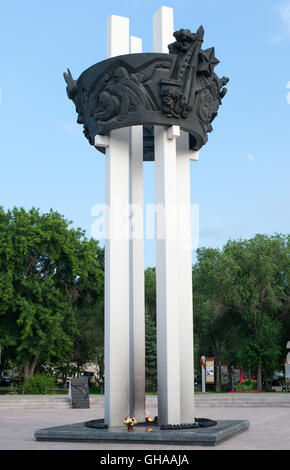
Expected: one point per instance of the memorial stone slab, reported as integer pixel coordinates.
(79, 393)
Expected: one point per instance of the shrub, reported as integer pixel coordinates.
(246, 386)
(96, 389)
(37, 384)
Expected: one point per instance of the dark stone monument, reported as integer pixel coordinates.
(179, 88)
(79, 393)
(145, 434)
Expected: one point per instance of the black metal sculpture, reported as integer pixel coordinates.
(179, 88)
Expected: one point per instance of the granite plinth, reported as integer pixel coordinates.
(79, 432)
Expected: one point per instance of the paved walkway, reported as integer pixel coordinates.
(269, 428)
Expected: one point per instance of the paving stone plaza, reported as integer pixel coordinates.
(269, 422)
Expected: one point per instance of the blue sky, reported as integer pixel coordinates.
(241, 181)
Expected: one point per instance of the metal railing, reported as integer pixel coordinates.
(46, 389)
(20, 390)
(13, 390)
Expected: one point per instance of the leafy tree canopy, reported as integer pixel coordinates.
(241, 297)
(48, 271)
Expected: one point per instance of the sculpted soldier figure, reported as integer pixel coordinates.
(130, 90)
(108, 106)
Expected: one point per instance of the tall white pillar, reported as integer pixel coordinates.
(117, 252)
(163, 29)
(137, 298)
(117, 36)
(185, 279)
(168, 361)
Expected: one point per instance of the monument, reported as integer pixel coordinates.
(137, 107)
(79, 392)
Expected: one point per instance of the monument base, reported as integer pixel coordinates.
(79, 432)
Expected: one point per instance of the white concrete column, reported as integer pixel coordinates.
(185, 279)
(163, 29)
(135, 45)
(117, 36)
(117, 252)
(168, 360)
(137, 300)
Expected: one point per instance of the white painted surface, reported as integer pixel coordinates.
(124, 261)
(173, 259)
(168, 368)
(163, 29)
(102, 141)
(135, 45)
(117, 279)
(173, 132)
(185, 280)
(117, 36)
(117, 252)
(137, 297)
(194, 155)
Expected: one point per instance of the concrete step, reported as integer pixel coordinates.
(201, 401)
(243, 400)
(33, 401)
(242, 405)
(41, 401)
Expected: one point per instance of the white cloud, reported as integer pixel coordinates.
(288, 94)
(285, 15)
(71, 128)
(283, 11)
(68, 126)
(250, 157)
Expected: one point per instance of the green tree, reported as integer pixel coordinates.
(151, 354)
(89, 342)
(150, 292)
(241, 301)
(48, 272)
(259, 292)
(150, 329)
(214, 320)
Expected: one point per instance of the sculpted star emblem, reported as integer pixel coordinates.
(208, 61)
